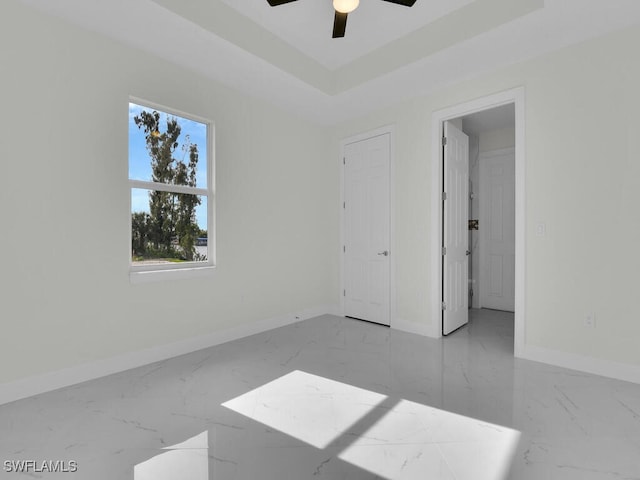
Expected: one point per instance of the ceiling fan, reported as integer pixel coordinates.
(343, 8)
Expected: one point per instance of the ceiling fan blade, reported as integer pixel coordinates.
(275, 3)
(406, 3)
(339, 24)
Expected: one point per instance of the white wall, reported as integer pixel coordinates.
(582, 178)
(65, 295)
(66, 301)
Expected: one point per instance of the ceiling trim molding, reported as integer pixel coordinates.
(458, 26)
(308, 89)
(223, 21)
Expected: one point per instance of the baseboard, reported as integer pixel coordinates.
(19, 389)
(596, 366)
(412, 327)
(34, 385)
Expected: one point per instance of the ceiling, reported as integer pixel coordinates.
(286, 56)
(493, 119)
(307, 25)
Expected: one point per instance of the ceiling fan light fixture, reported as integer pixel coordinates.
(342, 10)
(345, 6)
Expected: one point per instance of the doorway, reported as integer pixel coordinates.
(491, 232)
(513, 99)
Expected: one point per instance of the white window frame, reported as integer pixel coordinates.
(156, 272)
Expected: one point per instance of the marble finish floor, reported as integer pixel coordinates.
(334, 398)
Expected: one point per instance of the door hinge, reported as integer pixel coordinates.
(444, 196)
(344, 204)
(471, 293)
(344, 293)
(344, 160)
(444, 141)
(444, 251)
(444, 305)
(344, 248)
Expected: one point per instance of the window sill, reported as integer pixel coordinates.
(148, 276)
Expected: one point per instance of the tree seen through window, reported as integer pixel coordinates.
(169, 187)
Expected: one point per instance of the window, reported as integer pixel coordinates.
(170, 179)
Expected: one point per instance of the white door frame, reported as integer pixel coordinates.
(390, 129)
(517, 97)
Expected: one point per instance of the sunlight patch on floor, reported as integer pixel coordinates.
(310, 408)
(188, 459)
(392, 438)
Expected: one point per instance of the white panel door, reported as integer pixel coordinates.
(497, 212)
(367, 229)
(455, 265)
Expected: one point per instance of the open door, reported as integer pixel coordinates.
(455, 248)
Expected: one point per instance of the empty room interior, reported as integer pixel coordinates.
(316, 239)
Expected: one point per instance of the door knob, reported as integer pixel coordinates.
(468, 252)
(385, 253)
